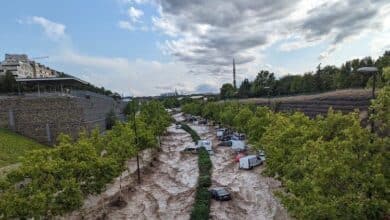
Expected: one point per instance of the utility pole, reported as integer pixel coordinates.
(136, 139)
(234, 74)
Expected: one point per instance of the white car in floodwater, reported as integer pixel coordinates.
(220, 132)
(207, 144)
(249, 162)
(237, 146)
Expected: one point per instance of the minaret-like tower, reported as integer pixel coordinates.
(234, 74)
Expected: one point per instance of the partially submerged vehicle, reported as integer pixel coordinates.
(238, 136)
(202, 121)
(249, 162)
(191, 118)
(227, 137)
(220, 132)
(220, 194)
(238, 146)
(191, 149)
(224, 134)
(206, 144)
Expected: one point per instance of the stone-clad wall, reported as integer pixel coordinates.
(44, 118)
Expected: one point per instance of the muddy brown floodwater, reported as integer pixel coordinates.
(252, 196)
(168, 191)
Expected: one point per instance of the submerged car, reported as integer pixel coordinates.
(206, 144)
(249, 162)
(191, 149)
(220, 194)
(237, 146)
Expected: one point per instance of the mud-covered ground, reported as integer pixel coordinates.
(168, 191)
(251, 192)
(169, 179)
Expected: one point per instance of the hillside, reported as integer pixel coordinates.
(344, 100)
(13, 146)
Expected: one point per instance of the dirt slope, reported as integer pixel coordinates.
(252, 196)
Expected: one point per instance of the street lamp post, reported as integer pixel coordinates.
(371, 70)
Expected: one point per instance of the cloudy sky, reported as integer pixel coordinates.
(148, 47)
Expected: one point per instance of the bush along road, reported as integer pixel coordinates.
(201, 208)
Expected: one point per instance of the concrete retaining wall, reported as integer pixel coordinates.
(44, 118)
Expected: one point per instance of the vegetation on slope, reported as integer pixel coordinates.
(325, 78)
(331, 167)
(14, 146)
(52, 182)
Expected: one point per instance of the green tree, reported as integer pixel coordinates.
(52, 182)
(245, 89)
(241, 120)
(263, 84)
(8, 82)
(227, 91)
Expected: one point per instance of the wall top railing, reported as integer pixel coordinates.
(71, 93)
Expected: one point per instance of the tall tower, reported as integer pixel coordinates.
(234, 74)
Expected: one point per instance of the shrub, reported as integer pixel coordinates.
(201, 208)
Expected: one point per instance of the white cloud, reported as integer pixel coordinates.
(126, 25)
(134, 22)
(132, 77)
(135, 14)
(208, 33)
(52, 29)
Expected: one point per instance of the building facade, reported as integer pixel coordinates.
(22, 67)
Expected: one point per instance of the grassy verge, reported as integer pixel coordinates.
(14, 146)
(201, 208)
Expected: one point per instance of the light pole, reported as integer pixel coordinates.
(371, 70)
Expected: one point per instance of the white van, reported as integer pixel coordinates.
(237, 146)
(207, 144)
(249, 162)
(220, 132)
